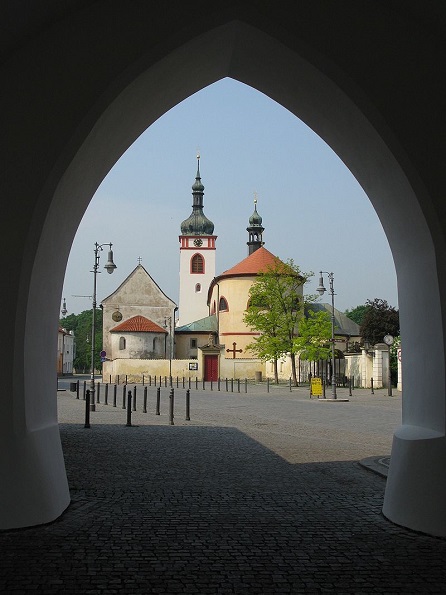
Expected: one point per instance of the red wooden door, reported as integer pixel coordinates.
(211, 367)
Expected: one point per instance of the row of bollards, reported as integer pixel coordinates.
(230, 384)
(129, 404)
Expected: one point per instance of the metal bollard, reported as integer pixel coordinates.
(143, 379)
(267, 385)
(98, 390)
(134, 398)
(290, 383)
(350, 386)
(323, 388)
(126, 378)
(232, 385)
(196, 382)
(118, 380)
(155, 381)
(106, 394)
(129, 408)
(158, 400)
(165, 381)
(371, 386)
(189, 382)
(114, 395)
(246, 385)
(87, 410)
(85, 388)
(77, 389)
(183, 381)
(211, 385)
(226, 385)
(171, 407)
(218, 383)
(177, 381)
(238, 385)
(203, 384)
(188, 405)
(124, 388)
(145, 400)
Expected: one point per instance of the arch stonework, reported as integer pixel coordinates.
(83, 86)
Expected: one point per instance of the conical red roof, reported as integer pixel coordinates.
(257, 262)
(138, 324)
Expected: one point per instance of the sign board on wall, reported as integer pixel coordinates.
(193, 366)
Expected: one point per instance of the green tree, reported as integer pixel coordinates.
(313, 341)
(275, 306)
(80, 324)
(379, 320)
(357, 314)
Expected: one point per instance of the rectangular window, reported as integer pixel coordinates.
(193, 343)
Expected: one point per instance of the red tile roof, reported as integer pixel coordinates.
(257, 262)
(138, 324)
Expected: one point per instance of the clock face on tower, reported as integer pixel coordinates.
(198, 242)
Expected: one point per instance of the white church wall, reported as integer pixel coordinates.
(137, 295)
(241, 368)
(134, 369)
(137, 345)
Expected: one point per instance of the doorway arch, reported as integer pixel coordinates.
(349, 122)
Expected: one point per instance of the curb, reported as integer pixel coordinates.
(379, 465)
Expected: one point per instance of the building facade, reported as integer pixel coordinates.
(197, 258)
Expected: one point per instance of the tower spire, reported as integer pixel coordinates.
(197, 223)
(255, 230)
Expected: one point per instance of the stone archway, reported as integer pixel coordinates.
(75, 160)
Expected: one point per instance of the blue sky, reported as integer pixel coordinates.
(313, 209)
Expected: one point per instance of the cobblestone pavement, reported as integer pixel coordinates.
(257, 494)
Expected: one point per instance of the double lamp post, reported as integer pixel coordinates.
(109, 267)
(321, 290)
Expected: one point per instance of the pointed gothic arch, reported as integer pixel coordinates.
(352, 109)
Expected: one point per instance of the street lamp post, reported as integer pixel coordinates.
(321, 290)
(167, 320)
(388, 340)
(109, 267)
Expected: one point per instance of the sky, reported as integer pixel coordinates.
(313, 209)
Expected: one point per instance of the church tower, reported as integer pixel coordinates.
(197, 258)
(255, 231)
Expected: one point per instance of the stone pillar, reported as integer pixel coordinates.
(380, 363)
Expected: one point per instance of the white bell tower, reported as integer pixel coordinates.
(197, 258)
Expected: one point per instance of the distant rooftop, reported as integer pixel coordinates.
(138, 324)
(204, 325)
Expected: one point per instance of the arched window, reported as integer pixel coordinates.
(197, 264)
(121, 343)
(154, 344)
(223, 305)
(198, 288)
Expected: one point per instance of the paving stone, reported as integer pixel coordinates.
(259, 493)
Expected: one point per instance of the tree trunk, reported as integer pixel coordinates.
(293, 369)
(276, 372)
